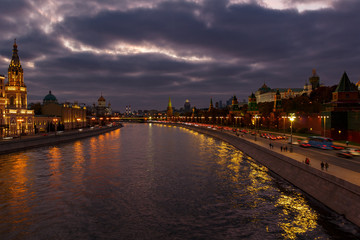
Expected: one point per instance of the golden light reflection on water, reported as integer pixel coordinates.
(79, 161)
(19, 189)
(259, 178)
(55, 159)
(94, 148)
(297, 217)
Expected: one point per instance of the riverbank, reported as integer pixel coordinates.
(18, 144)
(334, 192)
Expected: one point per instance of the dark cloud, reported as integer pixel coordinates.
(243, 46)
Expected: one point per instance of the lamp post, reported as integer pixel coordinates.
(324, 117)
(292, 118)
(284, 117)
(256, 117)
(55, 120)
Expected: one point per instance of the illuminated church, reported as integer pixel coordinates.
(101, 109)
(16, 119)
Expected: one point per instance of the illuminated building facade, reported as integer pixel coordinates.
(102, 109)
(2, 105)
(266, 94)
(18, 119)
(71, 114)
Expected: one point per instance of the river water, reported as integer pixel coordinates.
(148, 181)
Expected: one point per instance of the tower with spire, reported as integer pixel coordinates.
(314, 80)
(169, 110)
(19, 119)
(252, 105)
(277, 102)
(211, 107)
(346, 95)
(343, 112)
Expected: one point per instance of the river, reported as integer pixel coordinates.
(148, 181)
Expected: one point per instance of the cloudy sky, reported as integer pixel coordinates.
(141, 52)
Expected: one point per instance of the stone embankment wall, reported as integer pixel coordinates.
(339, 195)
(25, 143)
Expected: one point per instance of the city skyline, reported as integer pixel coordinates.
(140, 53)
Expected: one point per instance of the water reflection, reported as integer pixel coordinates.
(149, 182)
(296, 217)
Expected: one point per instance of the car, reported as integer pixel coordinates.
(336, 147)
(353, 151)
(305, 145)
(344, 153)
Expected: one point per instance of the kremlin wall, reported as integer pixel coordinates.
(336, 116)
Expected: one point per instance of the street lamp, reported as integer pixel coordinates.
(284, 117)
(292, 118)
(55, 120)
(324, 117)
(256, 117)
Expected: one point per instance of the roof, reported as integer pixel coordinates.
(345, 85)
(264, 88)
(101, 98)
(49, 98)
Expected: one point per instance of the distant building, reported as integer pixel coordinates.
(277, 102)
(266, 94)
(187, 106)
(169, 110)
(102, 109)
(71, 114)
(252, 105)
(211, 106)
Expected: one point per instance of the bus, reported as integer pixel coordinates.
(320, 142)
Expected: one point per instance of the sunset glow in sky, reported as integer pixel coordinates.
(141, 52)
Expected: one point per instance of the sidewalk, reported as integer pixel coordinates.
(342, 173)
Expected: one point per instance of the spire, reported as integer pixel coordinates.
(169, 105)
(15, 60)
(345, 84)
(211, 107)
(314, 80)
(169, 111)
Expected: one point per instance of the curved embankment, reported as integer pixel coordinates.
(339, 195)
(25, 143)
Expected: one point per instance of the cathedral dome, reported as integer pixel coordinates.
(101, 99)
(50, 98)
